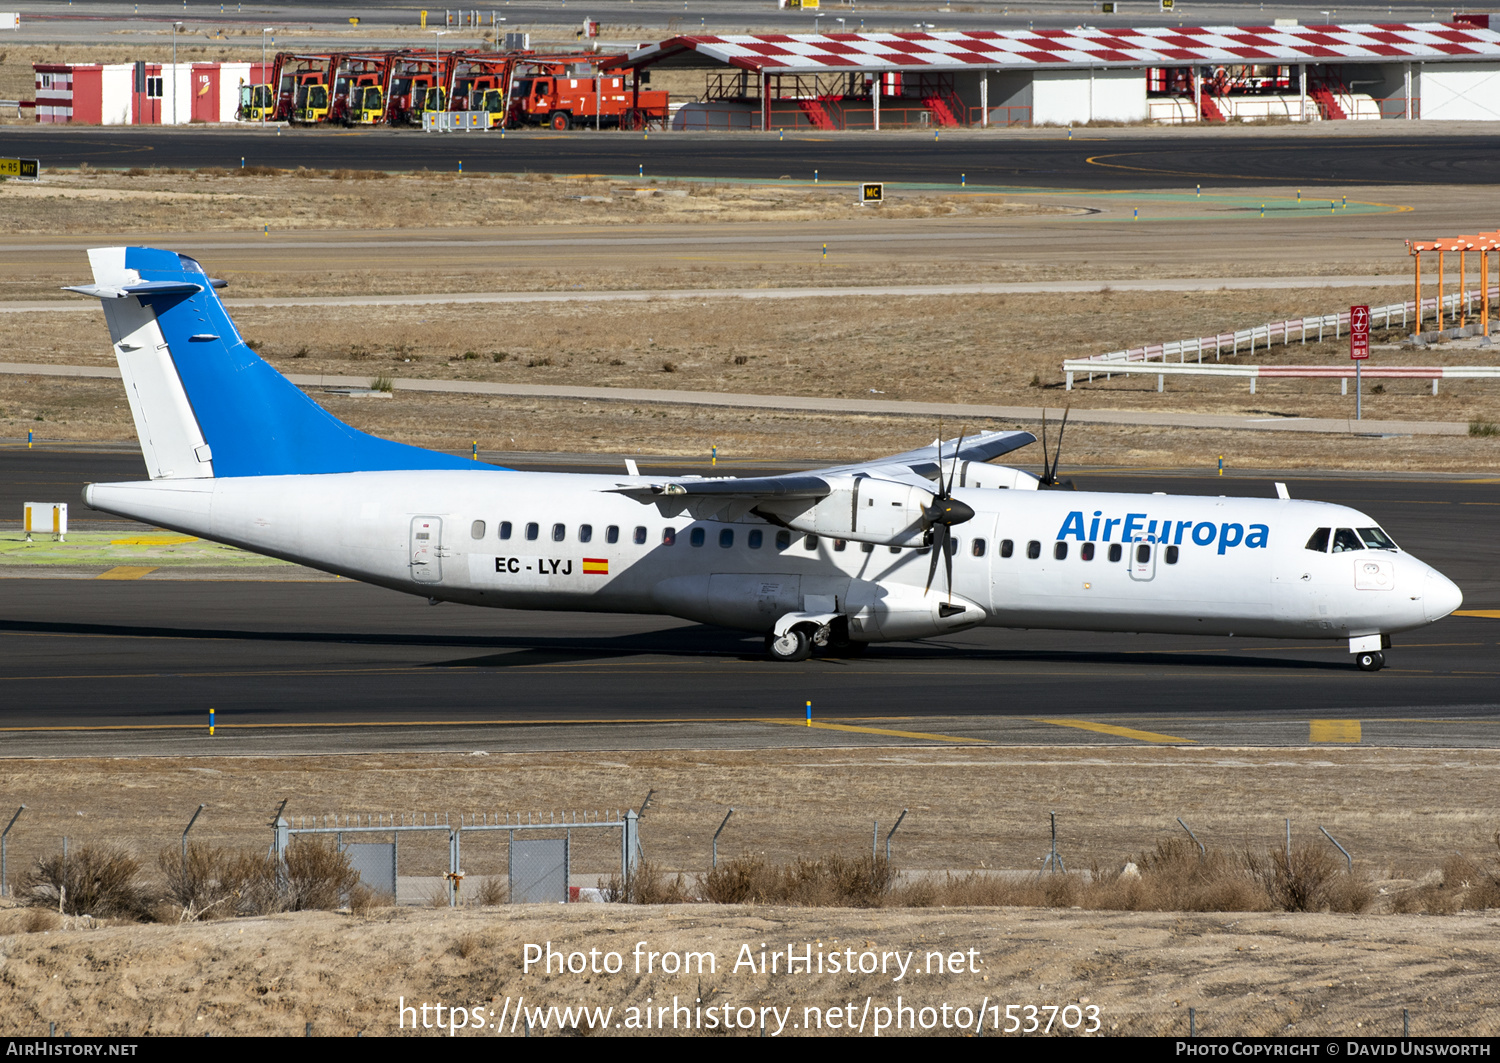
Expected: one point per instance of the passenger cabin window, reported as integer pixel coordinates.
(533, 530)
(668, 536)
(696, 536)
(1172, 552)
(1319, 541)
(1060, 551)
(811, 542)
(726, 538)
(755, 538)
(783, 540)
(1375, 539)
(505, 529)
(840, 545)
(867, 548)
(640, 535)
(612, 533)
(1086, 551)
(476, 530)
(977, 548)
(1115, 552)
(559, 532)
(1033, 549)
(1345, 540)
(1143, 553)
(585, 533)
(1007, 547)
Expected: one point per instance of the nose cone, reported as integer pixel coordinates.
(1441, 595)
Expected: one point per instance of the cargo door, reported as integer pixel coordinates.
(427, 549)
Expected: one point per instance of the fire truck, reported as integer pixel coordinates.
(483, 83)
(359, 91)
(581, 90)
(301, 94)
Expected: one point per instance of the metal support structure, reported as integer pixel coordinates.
(4, 837)
(719, 832)
(875, 98)
(899, 818)
(984, 100)
(188, 828)
(1348, 860)
(630, 846)
(1053, 861)
(1202, 852)
(1289, 841)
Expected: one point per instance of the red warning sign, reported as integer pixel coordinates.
(1359, 332)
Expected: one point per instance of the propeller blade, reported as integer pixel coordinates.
(953, 471)
(1057, 451)
(939, 542)
(1046, 461)
(948, 564)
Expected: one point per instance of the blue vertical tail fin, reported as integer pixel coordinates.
(204, 403)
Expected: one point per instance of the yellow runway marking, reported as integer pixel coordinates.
(1118, 732)
(1492, 614)
(877, 731)
(1333, 731)
(127, 572)
(155, 540)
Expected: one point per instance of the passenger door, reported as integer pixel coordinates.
(427, 549)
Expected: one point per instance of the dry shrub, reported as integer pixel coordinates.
(465, 945)
(317, 876)
(833, 881)
(195, 883)
(358, 175)
(97, 880)
(363, 900)
(648, 884)
(1177, 876)
(493, 890)
(1309, 880)
(258, 171)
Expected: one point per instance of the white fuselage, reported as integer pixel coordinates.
(1224, 566)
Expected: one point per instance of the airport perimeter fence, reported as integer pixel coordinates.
(538, 852)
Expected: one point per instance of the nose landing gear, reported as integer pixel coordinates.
(1370, 662)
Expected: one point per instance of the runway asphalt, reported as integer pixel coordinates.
(133, 667)
(1100, 160)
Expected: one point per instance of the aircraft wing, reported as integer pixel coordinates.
(730, 498)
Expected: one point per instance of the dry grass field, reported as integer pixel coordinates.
(1245, 974)
(1403, 813)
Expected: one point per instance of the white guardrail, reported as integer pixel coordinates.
(1261, 372)
(1286, 332)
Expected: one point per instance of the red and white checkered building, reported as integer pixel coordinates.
(141, 94)
(1428, 70)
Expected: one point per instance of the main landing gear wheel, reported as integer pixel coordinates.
(1370, 662)
(793, 646)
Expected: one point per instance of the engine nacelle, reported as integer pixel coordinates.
(866, 509)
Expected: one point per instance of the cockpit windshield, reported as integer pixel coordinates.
(1375, 539)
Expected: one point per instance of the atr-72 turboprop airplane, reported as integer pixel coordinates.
(823, 561)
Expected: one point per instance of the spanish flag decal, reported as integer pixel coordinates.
(595, 566)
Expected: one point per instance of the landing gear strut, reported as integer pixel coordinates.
(1372, 661)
